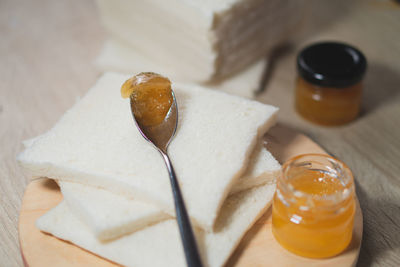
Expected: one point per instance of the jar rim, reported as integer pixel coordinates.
(337, 168)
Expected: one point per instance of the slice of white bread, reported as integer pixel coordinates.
(109, 215)
(262, 168)
(97, 143)
(159, 244)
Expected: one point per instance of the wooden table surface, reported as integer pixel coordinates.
(47, 49)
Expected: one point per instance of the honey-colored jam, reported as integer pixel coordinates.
(151, 96)
(313, 207)
(328, 105)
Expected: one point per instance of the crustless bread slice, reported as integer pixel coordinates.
(97, 143)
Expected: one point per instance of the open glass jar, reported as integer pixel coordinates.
(314, 206)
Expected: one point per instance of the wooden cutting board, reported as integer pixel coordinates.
(257, 248)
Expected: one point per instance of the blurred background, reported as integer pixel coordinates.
(48, 51)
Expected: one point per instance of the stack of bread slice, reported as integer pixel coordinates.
(117, 198)
(214, 43)
(195, 41)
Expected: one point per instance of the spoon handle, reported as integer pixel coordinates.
(185, 228)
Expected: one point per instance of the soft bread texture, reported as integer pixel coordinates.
(262, 168)
(110, 215)
(201, 40)
(117, 56)
(97, 143)
(159, 244)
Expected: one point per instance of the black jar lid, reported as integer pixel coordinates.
(331, 64)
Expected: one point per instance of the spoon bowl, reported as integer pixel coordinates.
(162, 134)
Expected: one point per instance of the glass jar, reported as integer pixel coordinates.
(329, 84)
(314, 206)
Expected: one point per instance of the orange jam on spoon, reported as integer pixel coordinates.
(152, 97)
(314, 205)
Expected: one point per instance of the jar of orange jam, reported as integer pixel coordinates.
(329, 84)
(314, 206)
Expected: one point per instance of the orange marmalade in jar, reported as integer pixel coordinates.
(314, 206)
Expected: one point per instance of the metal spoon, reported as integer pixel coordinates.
(160, 137)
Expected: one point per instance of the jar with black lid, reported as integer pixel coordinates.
(329, 84)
